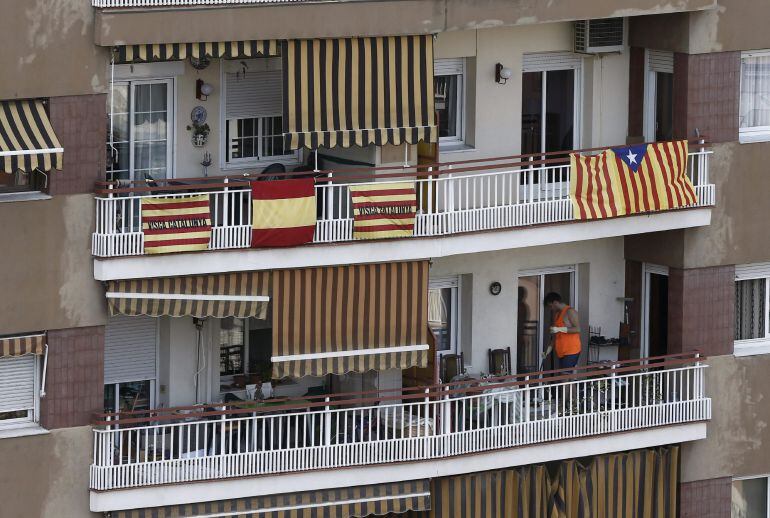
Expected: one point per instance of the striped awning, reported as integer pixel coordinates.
(341, 92)
(150, 52)
(354, 318)
(22, 345)
(350, 502)
(27, 140)
(221, 295)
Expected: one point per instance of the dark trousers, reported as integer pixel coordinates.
(569, 361)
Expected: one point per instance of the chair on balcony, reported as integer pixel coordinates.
(268, 173)
(499, 361)
(452, 365)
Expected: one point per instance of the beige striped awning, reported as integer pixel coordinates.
(149, 52)
(353, 318)
(341, 92)
(349, 502)
(27, 140)
(240, 295)
(22, 345)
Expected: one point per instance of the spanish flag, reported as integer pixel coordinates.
(283, 212)
(383, 210)
(171, 224)
(631, 180)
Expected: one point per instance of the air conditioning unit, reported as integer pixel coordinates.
(599, 36)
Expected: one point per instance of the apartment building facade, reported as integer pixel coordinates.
(219, 332)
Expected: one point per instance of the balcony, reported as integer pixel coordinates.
(434, 423)
(456, 198)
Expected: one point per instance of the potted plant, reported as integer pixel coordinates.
(200, 133)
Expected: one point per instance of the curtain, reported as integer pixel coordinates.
(750, 309)
(755, 92)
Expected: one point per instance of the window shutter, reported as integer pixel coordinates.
(257, 94)
(17, 383)
(130, 348)
(543, 61)
(752, 271)
(660, 61)
(448, 67)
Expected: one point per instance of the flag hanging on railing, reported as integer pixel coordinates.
(283, 212)
(383, 210)
(630, 180)
(176, 224)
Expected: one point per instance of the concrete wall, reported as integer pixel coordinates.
(494, 318)
(46, 475)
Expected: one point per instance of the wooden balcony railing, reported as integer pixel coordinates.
(209, 442)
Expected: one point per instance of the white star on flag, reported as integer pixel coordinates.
(631, 157)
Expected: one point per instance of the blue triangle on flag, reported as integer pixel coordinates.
(632, 156)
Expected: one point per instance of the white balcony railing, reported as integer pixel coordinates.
(209, 443)
(452, 198)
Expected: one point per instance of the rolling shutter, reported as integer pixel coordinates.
(541, 61)
(752, 271)
(130, 348)
(448, 66)
(660, 61)
(17, 383)
(253, 93)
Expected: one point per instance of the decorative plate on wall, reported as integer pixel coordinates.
(198, 115)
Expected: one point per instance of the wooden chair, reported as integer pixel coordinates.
(499, 361)
(451, 366)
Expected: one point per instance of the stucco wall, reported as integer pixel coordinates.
(47, 276)
(494, 318)
(43, 476)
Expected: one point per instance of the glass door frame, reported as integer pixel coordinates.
(650, 120)
(572, 269)
(647, 270)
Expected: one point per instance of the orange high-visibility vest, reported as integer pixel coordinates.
(566, 343)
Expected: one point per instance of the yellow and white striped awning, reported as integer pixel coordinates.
(149, 52)
(348, 502)
(22, 345)
(27, 140)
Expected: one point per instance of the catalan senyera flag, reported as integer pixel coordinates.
(283, 212)
(630, 180)
(176, 224)
(383, 210)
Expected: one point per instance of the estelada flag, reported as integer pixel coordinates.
(383, 210)
(283, 212)
(176, 224)
(630, 180)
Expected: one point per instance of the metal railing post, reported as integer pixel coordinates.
(613, 378)
(327, 422)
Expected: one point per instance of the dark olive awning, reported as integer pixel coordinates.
(356, 318)
(22, 345)
(358, 91)
(149, 52)
(240, 295)
(348, 502)
(27, 140)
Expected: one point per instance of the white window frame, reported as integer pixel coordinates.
(228, 378)
(293, 158)
(454, 283)
(460, 72)
(647, 270)
(146, 78)
(652, 67)
(753, 477)
(754, 133)
(33, 414)
(761, 345)
(117, 391)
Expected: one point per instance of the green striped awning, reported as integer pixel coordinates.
(224, 295)
(149, 52)
(358, 91)
(27, 140)
(22, 345)
(349, 502)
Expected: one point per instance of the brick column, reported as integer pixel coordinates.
(705, 498)
(75, 378)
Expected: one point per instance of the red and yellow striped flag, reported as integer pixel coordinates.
(630, 180)
(383, 210)
(283, 212)
(176, 224)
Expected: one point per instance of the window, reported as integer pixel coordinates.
(129, 396)
(253, 107)
(18, 390)
(750, 498)
(232, 347)
(754, 121)
(752, 325)
(443, 313)
(449, 90)
(659, 96)
(141, 130)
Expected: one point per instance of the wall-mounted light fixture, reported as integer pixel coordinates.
(202, 90)
(502, 74)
